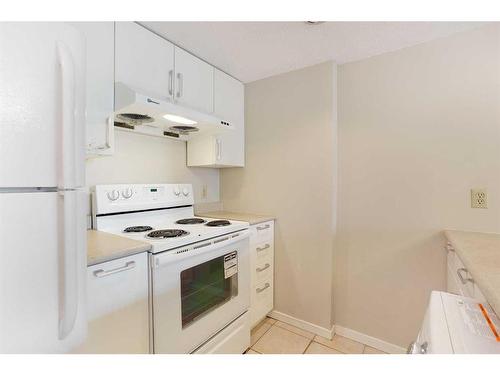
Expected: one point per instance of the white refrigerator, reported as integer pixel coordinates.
(42, 196)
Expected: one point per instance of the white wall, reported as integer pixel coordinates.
(418, 128)
(290, 125)
(144, 159)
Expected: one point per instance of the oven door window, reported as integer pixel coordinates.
(207, 286)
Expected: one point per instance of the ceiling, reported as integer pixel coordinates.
(253, 50)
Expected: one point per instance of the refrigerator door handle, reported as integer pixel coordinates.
(68, 263)
(67, 178)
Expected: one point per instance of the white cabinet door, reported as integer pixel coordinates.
(194, 81)
(229, 98)
(143, 60)
(100, 81)
(227, 149)
(118, 307)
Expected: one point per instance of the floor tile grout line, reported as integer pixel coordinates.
(267, 330)
(296, 332)
(307, 347)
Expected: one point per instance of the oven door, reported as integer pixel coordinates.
(198, 290)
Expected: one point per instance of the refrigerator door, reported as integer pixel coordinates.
(42, 104)
(42, 271)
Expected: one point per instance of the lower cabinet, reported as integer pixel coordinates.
(118, 307)
(262, 271)
(459, 279)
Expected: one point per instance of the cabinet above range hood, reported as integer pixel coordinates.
(140, 113)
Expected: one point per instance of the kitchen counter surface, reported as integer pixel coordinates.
(480, 254)
(102, 247)
(249, 218)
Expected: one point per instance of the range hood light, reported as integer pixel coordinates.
(179, 119)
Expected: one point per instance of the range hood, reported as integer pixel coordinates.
(140, 113)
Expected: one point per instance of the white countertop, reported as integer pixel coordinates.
(249, 218)
(480, 254)
(102, 247)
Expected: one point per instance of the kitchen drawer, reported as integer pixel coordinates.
(262, 232)
(263, 250)
(264, 270)
(118, 307)
(262, 300)
(467, 284)
(455, 269)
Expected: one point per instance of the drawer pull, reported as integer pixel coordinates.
(260, 290)
(266, 246)
(126, 267)
(267, 226)
(462, 279)
(263, 268)
(449, 247)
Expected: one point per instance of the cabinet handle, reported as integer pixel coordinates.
(218, 149)
(267, 226)
(263, 268)
(462, 279)
(423, 348)
(171, 82)
(260, 290)
(127, 266)
(449, 248)
(266, 246)
(180, 90)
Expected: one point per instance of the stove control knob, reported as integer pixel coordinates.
(127, 193)
(113, 195)
(185, 191)
(177, 191)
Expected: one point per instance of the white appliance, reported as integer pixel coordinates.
(42, 201)
(199, 267)
(137, 112)
(457, 325)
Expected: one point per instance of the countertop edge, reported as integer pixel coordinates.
(118, 255)
(252, 219)
(104, 247)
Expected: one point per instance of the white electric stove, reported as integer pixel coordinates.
(199, 267)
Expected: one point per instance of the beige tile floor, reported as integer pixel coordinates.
(274, 337)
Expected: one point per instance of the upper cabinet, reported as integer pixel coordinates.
(144, 61)
(226, 149)
(127, 52)
(100, 76)
(229, 105)
(194, 81)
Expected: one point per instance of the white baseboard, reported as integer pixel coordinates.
(342, 331)
(369, 340)
(299, 323)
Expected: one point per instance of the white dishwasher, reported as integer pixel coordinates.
(118, 307)
(455, 324)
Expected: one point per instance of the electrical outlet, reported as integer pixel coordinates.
(204, 192)
(478, 198)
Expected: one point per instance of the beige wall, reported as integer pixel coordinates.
(289, 129)
(417, 129)
(144, 159)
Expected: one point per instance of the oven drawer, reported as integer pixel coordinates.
(234, 339)
(118, 307)
(262, 232)
(262, 300)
